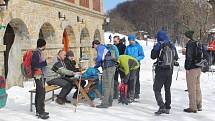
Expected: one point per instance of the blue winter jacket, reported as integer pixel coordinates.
(100, 51)
(136, 51)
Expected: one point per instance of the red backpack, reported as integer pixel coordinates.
(2, 83)
(123, 90)
(26, 64)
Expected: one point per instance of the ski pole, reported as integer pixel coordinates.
(153, 72)
(77, 99)
(177, 73)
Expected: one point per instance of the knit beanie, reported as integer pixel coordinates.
(131, 37)
(189, 34)
(41, 43)
(70, 54)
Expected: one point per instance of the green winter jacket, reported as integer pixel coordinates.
(127, 64)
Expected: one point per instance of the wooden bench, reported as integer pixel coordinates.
(51, 88)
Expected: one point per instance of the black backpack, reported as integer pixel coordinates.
(201, 56)
(166, 56)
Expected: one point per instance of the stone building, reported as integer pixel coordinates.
(72, 24)
(212, 2)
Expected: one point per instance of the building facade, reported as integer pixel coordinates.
(68, 24)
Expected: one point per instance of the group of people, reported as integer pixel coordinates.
(58, 71)
(118, 59)
(62, 69)
(164, 51)
(125, 61)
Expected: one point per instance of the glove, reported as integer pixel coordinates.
(117, 64)
(176, 63)
(77, 75)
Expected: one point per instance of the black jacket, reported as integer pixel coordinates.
(121, 47)
(70, 65)
(190, 55)
(60, 68)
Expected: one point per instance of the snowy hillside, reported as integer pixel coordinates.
(19, 98)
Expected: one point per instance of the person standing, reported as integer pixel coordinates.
(165, 53)
(121, 48)
(193, 73)
(108, 66)
(135, 50)
(38, 63)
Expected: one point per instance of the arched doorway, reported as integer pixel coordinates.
(97, 35)
(68, 38)
(8, 41)
(15, 38)
(47, 33)
(85, 44)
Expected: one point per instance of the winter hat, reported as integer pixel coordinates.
(162, 36)
(189, 34)
(131, 37)
(123, 39)
(70, 54)
(41, 43)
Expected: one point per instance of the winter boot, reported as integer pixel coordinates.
(45, 113)
(189, 110)
(137, 96)
(161, 111)
(199, 107)
(43, 116)
(102, 106)
(67, 101)
(60, 101)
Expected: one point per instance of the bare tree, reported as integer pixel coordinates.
(175, 16)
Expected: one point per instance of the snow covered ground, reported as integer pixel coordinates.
(19, 98)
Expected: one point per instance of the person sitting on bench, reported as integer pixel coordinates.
(71, 65)
(62, 79)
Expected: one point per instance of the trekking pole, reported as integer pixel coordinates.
(177, 73)
(153, 72)
(77, 99)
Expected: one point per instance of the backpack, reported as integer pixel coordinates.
(26, 66)
(2, 83)
(201, 56)
(3, 94)
(166, 55)
(123, 91)
(91, 73)
(111, 54)
(109, 57)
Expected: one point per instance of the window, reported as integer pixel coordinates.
(96, 5)
(72, 1)
(84, 3)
